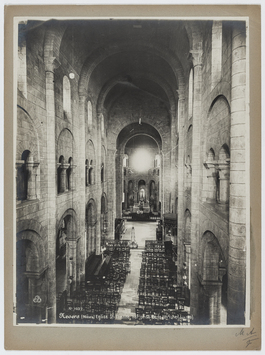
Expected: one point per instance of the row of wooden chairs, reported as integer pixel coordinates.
(167, 302)
(155, 291)
(97, 301)
(159, 298)
(156, 281)
(154, 243)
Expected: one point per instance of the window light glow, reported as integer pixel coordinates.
(141, 160)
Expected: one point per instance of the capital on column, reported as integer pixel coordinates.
(51, 64)
(181, 94)
(196, 57)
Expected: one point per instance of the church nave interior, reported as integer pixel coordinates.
(131, 172)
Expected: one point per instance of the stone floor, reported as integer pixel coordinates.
(143, 231)
(129, 297)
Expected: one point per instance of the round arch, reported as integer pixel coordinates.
(133, 130)
(101, 54)
(212, 256)
(72, 220)
(24, 144)
(150, 76)
(31, 276)
(32, 230)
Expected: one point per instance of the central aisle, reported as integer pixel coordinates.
(129, 297)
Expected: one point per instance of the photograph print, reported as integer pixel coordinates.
(132, 186)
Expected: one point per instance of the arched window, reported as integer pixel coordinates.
(61, 175)
(102, 124)
(89, 114)
(216, 52)
(125, 161)
(157, 161)
(211, 155)
(86, 172)
(102, 172)
(90, 173)
(211, 262)
(224, 175)
(26, 177)
(190, 108)
(69, 174)
(103, 163)
(90, 152)
(224, 153)
(211, 177)
(22, 176)
(67, 98)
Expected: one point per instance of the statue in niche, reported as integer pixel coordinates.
(142, 195)
(131, 200)
(141, 199)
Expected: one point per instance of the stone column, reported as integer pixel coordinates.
(19, 164)
(173, 161)
(89, 240)
(70, 178)
(214, 292)
(125, 183)
(224, 174)
(94, 237)
(100, 186)
(181, 172)
(71, 264)
(211, 181)
(51, 64)
(119, 177)
(63, 185)
(237, 203)
(195, 180)
(32, 173)
(111, 188)
(81, 186)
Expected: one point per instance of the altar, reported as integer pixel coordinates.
(144, 208)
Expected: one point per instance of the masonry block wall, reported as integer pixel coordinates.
(215, 136)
